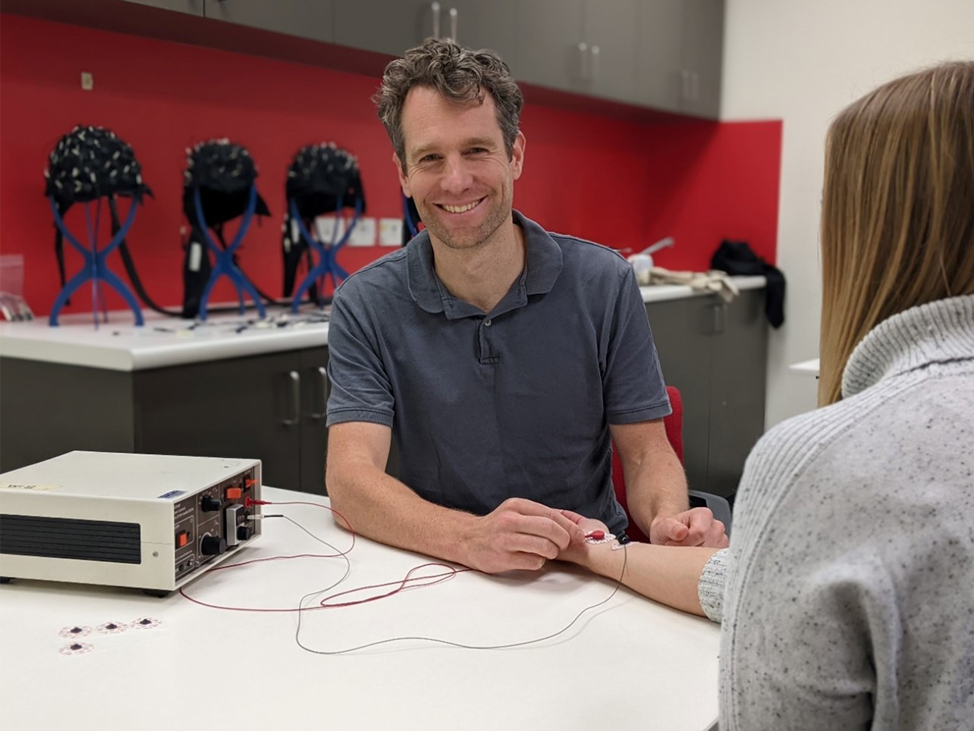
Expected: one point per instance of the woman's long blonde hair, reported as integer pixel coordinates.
(897, 209)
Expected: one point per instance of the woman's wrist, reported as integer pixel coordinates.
(605, 559)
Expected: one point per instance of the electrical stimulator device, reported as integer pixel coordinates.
(152, 522)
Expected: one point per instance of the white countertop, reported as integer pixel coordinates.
(163, 341)
(661, 292)
(805, 368)
(627, 664)
(167, 341)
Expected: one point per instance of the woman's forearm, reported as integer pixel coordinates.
(667, 574)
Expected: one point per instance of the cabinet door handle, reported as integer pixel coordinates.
(323, 393)
(596, 55)
(583, 61)
(720, 317)
(435, 7)
(454, 14)
(294, 386)
(685, 76)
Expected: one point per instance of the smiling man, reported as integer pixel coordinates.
(503, 359)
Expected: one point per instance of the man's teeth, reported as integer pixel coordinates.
(461, 209)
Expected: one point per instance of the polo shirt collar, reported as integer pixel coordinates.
(544, 264)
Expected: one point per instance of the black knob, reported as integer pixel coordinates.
(213, 545)
(210, 504)
(244, 532)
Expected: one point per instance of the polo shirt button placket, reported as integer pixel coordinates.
(487, 323)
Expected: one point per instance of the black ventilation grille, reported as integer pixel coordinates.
(86, 540)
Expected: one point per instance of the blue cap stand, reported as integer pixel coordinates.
(411, 225)
(224, 257)
(95, 266)
(327, 265)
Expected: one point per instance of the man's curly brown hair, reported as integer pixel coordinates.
(460, 75)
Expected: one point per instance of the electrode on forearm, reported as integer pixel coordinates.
(600, 536)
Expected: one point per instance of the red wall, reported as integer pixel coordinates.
(622, 183)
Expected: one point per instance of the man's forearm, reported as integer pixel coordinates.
(382, 508)
(658, 487)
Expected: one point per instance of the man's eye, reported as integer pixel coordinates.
(477, 151)
(429, 158)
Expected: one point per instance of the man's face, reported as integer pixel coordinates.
(458, 171)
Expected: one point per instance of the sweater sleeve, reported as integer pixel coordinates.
(711, 585)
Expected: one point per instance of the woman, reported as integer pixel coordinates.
(847, 595)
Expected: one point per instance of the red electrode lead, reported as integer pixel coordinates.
(596, 535)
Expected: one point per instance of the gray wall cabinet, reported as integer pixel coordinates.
(305, 18)
(680, 56)
(664, 54)
(659, 54)
(388, 27)
(582, 46)
(659, 60)
(549, 34)
(193, 7)
(702, 55)
(716, 354)
(393, 26)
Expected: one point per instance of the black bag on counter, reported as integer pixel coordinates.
(737, 258)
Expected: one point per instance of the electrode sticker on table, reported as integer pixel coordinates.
(104, 631)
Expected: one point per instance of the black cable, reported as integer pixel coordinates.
(143, 295)
(129, 263)
(268, 299)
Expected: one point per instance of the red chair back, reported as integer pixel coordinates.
(674, 433)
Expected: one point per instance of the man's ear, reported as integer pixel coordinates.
(403, 180)
(517, 155)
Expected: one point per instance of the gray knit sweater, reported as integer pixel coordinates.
(849, 596)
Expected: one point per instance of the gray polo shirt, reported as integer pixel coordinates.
(512, 403)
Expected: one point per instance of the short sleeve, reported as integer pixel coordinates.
(360, 386)
(633, 384)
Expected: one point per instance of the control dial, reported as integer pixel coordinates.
(213, 545)
(210, 504)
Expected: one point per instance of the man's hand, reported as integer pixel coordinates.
(519, 534)
(577, 550)
(694, 527)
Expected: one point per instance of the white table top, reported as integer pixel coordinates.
(629, 664)
(166, 341)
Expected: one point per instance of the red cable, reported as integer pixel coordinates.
(323, 604)
(440, 578)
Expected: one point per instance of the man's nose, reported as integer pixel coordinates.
(456, 175)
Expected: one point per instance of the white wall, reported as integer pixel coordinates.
(802, 61)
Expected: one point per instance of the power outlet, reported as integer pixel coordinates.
(330, 229)
(87, 81)
(390, 232)
(364, 233)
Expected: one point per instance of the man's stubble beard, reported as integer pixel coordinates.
(483, 235)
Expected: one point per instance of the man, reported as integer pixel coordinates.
(500, 357)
